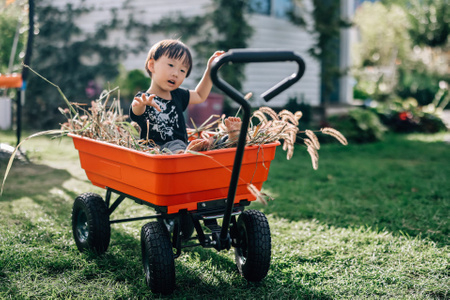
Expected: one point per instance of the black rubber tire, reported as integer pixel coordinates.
(90, 223)
(253, 250)
(157, 258)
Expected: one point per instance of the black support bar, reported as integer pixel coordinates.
(134, 219)
(249, 56)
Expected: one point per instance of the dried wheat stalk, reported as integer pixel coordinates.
(336, 134)
(283, 126)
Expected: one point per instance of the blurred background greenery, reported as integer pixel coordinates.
(400, 60)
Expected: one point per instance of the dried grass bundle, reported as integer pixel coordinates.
(313, 138)
(270, 112)
(288, 116)
(284, 126)
(314, 157)
(336, 134)
(260, 196)
(105, 121)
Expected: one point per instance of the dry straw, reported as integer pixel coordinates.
(336, 134)
(314, 139)
(284, 127)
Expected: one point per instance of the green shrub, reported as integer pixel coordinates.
(418, 83)
(406, 116)
(359, 126)
(359, 93)
(431, 123)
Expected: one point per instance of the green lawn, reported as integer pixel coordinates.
(371, 222)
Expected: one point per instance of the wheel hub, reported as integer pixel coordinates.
(82, 227)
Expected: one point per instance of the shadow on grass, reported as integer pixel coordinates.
(29, 180)
(200, 273)
(6, 287)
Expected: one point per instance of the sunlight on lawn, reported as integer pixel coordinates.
(422, 137)
(308, 258)
(25, 207)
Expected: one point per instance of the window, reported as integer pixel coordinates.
(276, 8)
(281, 8)
(261, 7)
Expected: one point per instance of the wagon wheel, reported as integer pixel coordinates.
(90, 223)
(157, 258)
(252, 252)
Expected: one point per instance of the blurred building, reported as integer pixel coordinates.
(272, 30)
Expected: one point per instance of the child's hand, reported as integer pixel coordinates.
(145, 99)
(214, 56)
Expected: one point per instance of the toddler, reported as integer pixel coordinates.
(159, 110)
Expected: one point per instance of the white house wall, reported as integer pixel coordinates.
(269, 33)
(275, 33)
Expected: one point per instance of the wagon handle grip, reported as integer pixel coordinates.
(255, 56)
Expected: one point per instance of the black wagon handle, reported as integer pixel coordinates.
(257, 56)
(248, 56)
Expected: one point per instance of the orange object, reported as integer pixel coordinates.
(174, 181)
(11, 81)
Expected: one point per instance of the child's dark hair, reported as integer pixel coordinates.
(173, 49)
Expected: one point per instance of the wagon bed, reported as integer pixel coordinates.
(173, 182)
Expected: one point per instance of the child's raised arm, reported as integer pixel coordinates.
(203, 88)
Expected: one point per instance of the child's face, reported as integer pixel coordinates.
(168, 73)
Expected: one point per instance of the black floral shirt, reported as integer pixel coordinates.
(165, 125)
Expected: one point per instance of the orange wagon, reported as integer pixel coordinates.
(186, 190)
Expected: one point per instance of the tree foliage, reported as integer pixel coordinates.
(13, 19)
(65, 60)
(399, 52)
(429, 20)
(80, 62)
(383, 37)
